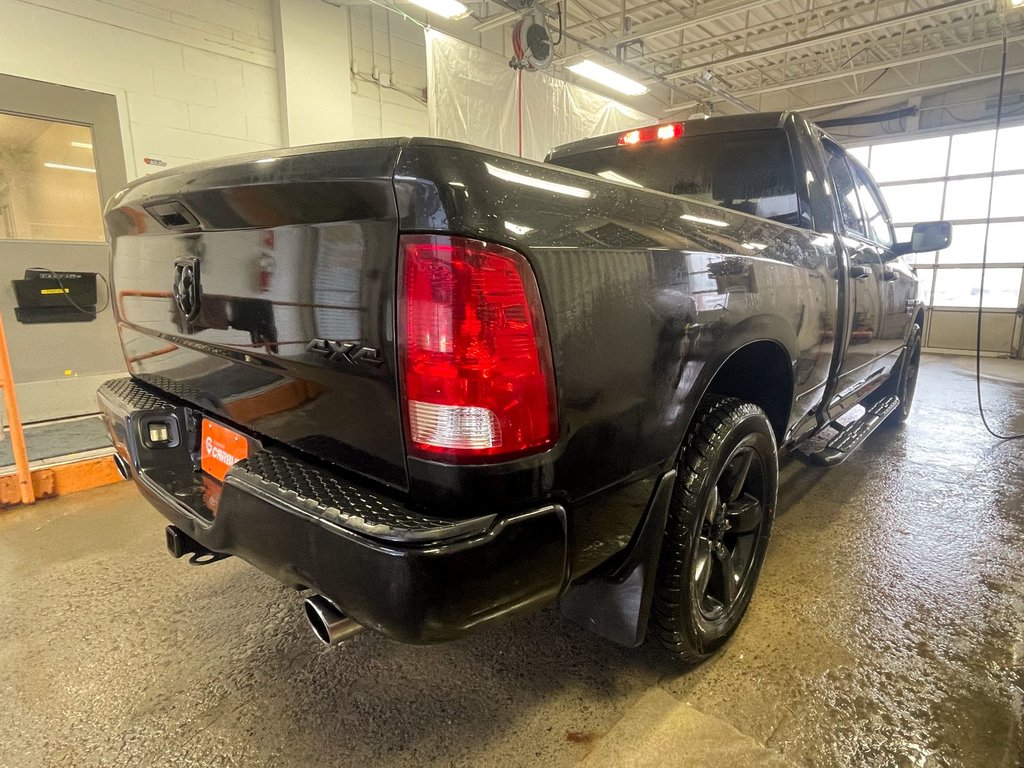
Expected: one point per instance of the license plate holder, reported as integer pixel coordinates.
(221, 448)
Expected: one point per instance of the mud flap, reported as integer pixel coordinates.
(616, 605)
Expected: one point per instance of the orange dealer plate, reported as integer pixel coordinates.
(221, 449)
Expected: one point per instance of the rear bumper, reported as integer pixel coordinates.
(413, 576)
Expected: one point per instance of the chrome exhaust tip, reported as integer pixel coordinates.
(329, 624)
(122, 467)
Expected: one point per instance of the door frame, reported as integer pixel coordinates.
(42, 395)
(20, 96)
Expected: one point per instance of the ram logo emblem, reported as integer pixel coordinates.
(186, 288)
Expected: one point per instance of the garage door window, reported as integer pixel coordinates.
(904, 161)
(48, 187)
(951, 179)
(959, 288)
(910, 203)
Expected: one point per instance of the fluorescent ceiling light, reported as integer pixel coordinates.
(449, 9)
(702, 220)
(607, 77)
(61, 167)
(613, 176)
(81, 144)
(529, 181)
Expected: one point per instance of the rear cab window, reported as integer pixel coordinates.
(746, 171)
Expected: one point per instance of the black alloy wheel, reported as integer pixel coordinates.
(733, 518)
(719, 524)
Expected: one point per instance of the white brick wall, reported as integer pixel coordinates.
(196, 78)
(396, 47)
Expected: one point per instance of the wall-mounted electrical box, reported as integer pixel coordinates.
(55, 297)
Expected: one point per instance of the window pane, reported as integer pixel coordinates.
(1005, 244)
(48, 185)
(904, 160)
(924, 285)
(1008, 196)
(1010, 155)
(878, 225)
(861, 153)
(846, 195)
(966, 199)
(968, 241)
(911, 203)
(959, 288)
(971, 153)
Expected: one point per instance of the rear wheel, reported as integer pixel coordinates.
(904, 385)
(718, 527)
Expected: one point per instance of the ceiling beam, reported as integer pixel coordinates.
(919, 88)
(791, 25)
(707, 12)
(867, 68)
(848, 79)
(826, 38)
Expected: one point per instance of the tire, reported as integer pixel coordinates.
(904, 385)
(729, 454)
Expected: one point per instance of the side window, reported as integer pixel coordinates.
(871, 203)
(846, 194)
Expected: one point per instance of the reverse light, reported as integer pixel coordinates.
(651, 133)
(159, 433)
(476, 370)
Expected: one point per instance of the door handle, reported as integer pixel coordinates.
(859, 272)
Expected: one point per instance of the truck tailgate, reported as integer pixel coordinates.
(261, 289)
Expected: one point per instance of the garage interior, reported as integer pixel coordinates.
(888, 625)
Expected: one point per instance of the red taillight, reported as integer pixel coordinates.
(476, 364)
(651, 133)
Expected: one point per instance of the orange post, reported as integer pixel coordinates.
(14, 421)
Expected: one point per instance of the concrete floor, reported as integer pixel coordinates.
(888, 630)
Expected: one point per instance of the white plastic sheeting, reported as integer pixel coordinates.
(474, 96)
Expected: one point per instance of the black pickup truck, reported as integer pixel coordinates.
(441, 386)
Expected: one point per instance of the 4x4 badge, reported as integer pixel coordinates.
(187, 292)
(349, 351)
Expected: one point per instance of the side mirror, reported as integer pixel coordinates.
(929, 236)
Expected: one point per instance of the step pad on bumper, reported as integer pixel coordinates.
(134, 396)
(281, 479)
(415, 577)
(314, 491)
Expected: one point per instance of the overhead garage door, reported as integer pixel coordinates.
(948, 177)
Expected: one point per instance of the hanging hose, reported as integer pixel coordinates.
(984, 250)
